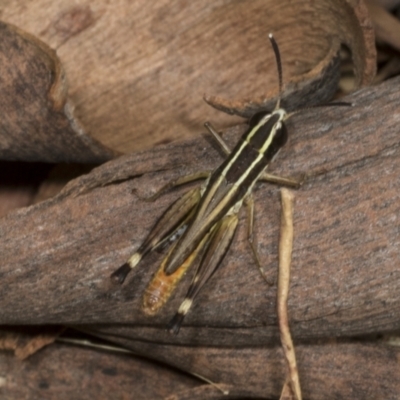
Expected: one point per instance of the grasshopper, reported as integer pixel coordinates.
(204, 220)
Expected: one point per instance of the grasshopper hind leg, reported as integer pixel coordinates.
(220, 238)
(119, 275)
(218, 138)
(249, 202)
(170, 223)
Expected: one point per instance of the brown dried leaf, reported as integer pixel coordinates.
(37, 121)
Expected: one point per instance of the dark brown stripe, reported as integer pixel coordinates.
(241, 164)
(262, 134)
(278, 142)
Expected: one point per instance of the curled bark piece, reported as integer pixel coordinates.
(38, 122)
(137, 73)
(57, 256)
(312, 88)
(321, 28)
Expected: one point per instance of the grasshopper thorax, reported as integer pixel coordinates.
(267, 132)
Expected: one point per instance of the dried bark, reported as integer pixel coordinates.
(38, 122)
(57, 256)
(137, 72)
(337, 23)
(327, 371)
(67, 372)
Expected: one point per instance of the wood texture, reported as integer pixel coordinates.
(66, 372)
(137, 72)
(57, 256)
(327, 370)
(38, 122)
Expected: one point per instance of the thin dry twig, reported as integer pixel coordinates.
(285, 257)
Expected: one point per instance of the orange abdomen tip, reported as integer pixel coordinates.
(162, 285)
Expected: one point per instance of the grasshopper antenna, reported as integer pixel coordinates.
(333, 104)
(279, 66)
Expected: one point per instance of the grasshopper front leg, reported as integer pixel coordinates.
(282, 180)
(249, 202)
